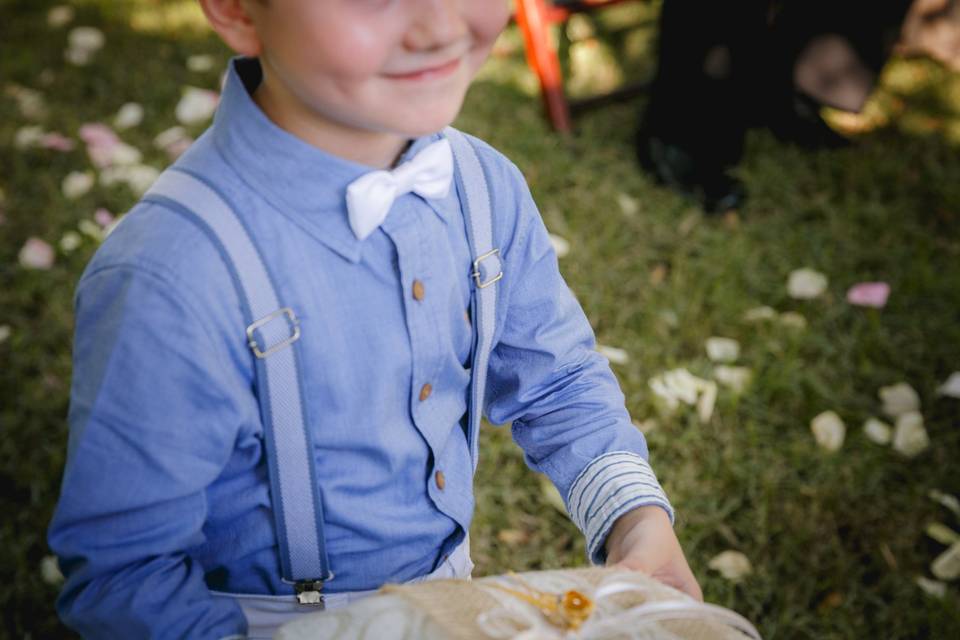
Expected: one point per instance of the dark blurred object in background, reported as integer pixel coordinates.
(725, 67)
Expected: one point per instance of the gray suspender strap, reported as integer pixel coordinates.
(487, 269)
(271, 329)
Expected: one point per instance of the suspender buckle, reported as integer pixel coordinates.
(309, 592)
(292, 322)
(479, 275)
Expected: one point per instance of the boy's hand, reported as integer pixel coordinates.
(643, 540)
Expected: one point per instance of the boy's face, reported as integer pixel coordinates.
(388, 66)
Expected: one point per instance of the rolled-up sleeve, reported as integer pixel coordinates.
(565, 405)
(150, 430)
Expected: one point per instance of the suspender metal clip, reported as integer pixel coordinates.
(309, 592)
(479, 275)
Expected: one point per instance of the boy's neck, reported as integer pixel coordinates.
(372, 148)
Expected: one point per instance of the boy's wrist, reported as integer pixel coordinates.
(625, 523)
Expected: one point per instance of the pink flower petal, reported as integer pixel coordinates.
(36, 254)
(103, 217)
(57, 142)
(869, 294)
(101, 143)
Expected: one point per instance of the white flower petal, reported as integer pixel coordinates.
(169, 136)
(36, 254)
(758, 314)
(877, 431)
(947, 565)
(806, 284)
(613, 354)
(130, 115)
(5, 332)
(951, 387)
(29, 136)
(722, 349)
(90, 228)
(942, 533)
(706, 402)
(732, 565)
(898, 399)
(139, 177)
(947, 500)
(666, 396)
(77, 184)
(89, 39)
(70, 241)
(933, 588)
(200, 63)
(646, 426)
(909, 436)
(50, 570)
(196, 105)
(735, 378)
(628, 204)
(78, 57)
(560, 245)
(793, 320)
(683, 385)
(31, 102)
(60, 16)
(828, 430)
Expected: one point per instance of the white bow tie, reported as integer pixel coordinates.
(370, 197)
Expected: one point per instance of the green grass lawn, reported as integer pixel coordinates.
(836, 540)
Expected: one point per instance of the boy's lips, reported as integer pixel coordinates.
(428, 73)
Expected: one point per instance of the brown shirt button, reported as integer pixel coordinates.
(441, 481)
(425, 392)
(418, 291)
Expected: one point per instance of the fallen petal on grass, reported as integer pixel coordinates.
(877, 431)
(196, 105)
(942, 533)
(138, 177)
(130, 115)
(737, 379)
(722, 349)
(5, 332)
(50, 571)
(951, 387)
(828, 430)
(933, 588)
(909, 436)
(946, 500)
(806, 284)
(560, 245)
(77, 184)
(28, 136)
(947, 565)
(732, 565)
(36, 254)
(898, 399)
(869, 294)
(103, 217)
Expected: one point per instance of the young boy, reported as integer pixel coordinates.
(165, 527)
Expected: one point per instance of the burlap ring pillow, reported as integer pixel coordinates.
(588, 604)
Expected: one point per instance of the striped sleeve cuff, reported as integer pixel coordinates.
(610, 486)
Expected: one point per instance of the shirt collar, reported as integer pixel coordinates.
(302, 181)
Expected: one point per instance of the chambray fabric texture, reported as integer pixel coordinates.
(165, 491)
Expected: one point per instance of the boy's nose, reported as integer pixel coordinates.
(438, 24)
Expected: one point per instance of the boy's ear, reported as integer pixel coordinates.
(231, 20)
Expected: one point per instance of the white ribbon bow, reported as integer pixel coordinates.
(369, 198)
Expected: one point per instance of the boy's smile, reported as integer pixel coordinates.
(358, 78)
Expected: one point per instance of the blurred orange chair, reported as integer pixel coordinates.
(535, 18)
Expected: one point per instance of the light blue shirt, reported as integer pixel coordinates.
(165, 494)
